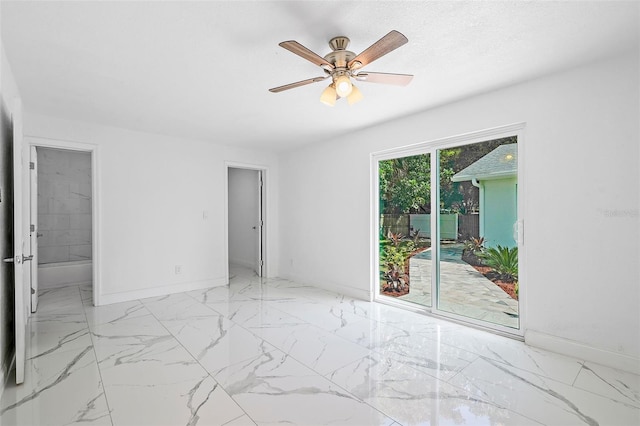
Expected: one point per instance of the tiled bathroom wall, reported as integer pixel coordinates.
(64, 205)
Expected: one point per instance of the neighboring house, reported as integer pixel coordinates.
(496, 174)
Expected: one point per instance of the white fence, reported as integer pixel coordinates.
(422, 223)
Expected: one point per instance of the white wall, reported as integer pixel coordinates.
(8, 92)
(168, 185)
(581, 180)
(243, 217)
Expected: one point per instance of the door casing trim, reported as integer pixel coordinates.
(40, 142)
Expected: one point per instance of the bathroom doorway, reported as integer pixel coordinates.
(63, 194)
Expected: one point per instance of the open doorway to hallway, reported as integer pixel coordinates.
(246, 219)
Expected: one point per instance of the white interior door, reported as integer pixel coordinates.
(33, 229)
(20, 240)
(260, 227)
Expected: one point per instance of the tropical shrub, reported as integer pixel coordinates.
(503, 260)
(471, 251)
(474, 245)
(394, 253)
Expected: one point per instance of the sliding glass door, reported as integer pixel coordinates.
(405, 229)
(478, 251)
(447, 224)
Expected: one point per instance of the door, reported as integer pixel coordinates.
(477, 274)
(449, 229)
(20, 241)
(405, 229)
(260, 227)
(33, 228)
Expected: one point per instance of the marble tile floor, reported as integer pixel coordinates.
(273, 351)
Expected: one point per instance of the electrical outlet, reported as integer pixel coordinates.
(178, 269)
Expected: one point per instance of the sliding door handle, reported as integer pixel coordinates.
(8, 260)
(27, 258)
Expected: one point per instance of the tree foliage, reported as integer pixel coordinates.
(405, 183)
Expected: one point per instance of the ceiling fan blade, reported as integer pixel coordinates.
(295, 47)
(297, 84)
(385, 78)
(386, 44)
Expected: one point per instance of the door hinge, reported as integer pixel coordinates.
(32, 228)
(32, 165)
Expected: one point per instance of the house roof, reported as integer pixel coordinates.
(500, 163)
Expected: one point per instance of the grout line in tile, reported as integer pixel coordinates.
(575, 379)
(95, 355)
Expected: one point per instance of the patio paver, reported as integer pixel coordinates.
(463, 290)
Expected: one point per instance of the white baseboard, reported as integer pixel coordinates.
(355, 293)
(108, 299)
(582, 351)
(5, 374)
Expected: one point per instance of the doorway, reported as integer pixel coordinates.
(245, 219)
(23, 181)
(64, 219)
(64, 210)
(448, 229)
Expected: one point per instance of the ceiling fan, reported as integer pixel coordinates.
(342, 65)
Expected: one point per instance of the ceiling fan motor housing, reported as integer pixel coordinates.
(339, 43)
(340, 56)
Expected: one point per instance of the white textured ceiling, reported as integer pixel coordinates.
(202, 69)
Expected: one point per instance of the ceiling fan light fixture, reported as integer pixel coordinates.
(355, 95)
(328, 96)
(341, 65)
(343, 86)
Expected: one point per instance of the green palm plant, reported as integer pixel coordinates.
(503, 260)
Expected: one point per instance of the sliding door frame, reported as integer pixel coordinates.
(432, 148)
